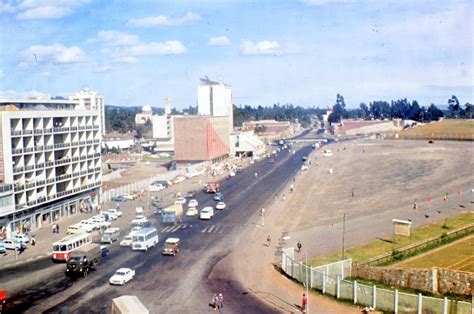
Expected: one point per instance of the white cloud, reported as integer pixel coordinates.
(115, 38)
(261, 48)
(164, 20)
(41, 9)
(219, 41)
(11, 94)
(44, 13)
(55, 53)
(170, 47)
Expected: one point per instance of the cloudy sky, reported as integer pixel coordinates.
(301, 52)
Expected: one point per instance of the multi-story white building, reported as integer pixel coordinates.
(163, 128)
(215, 99)
(50, 161)
(91, 100)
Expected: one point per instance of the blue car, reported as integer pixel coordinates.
(218, 197)
(119, 199)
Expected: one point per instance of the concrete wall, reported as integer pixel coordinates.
(434, 280)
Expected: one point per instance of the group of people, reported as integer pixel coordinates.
(217, 301)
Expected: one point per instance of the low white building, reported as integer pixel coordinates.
(246, 143)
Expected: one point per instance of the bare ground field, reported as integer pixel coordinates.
(136, 172)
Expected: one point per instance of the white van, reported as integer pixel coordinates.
(145, 239)
(110, 235)
(207, 213)
(75, 229)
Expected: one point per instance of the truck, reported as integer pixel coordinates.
(110, 235)
(213, 187)
(82, 262)
(128, 304)
(172, 214)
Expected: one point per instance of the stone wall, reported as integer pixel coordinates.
(434, 280)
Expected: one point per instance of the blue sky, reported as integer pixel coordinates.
(299, 52)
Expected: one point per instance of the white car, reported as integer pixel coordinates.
(112, 216)
(156, 188)
(180, 200)
(139, 219)
(87, 225)
(207, 213)
(115, 211)
(11, 244)
(192, 211)
(127, 240)
(193, 203)
(122, 276)
(22, 237)
(101, 222)
(220, 205)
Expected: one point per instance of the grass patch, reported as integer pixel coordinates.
(449, 129)
(380, 247)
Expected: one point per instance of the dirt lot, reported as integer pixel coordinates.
(136, 172)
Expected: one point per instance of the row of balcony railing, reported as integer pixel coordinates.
(43, 199)
(40, 148)
(54, 130)
(58, 162)
(57, 179)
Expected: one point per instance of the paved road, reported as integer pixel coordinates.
(166, 284)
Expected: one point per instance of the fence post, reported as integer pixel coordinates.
(374, 296)
(324, 282)
(445, 305)
(420, 303)
(311, 277)
(355, 292)
(342, 269)
(338, 287)
(395, 301)
(300, 272)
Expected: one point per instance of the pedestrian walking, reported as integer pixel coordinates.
(57, 228)
(292, 188)
(269, 240)
(33, 240)
(299, 246)
(221, 301)
(304, 302)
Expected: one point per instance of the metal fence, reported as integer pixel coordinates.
(143, 184)
(330, 279)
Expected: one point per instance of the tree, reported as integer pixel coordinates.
(433, 113)
(454, 107)
(339, 110)
(468, 111)
(364, 111)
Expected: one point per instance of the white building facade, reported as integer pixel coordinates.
(215, 99)
(91, 100)
(51, 159)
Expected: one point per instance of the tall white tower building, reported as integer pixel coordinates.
(215, 99)
(91, 100)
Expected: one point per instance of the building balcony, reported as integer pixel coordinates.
(38, 131)
(16, 133)
(27, 132)
(17, 151)
(18, 169)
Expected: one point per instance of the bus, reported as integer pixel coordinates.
(145, 239)
(63, 248)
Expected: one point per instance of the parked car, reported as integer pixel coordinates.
(127, 240)
(119, 199)
(11, 244)
(192, 211)
(190, 194)
(220, 205)
(115, 211)
(180, 200)
(122, 276)
(23, 237)
(218, 197)
(207, 213)
(112, 216)
(76, 229)
(193, 203)
(87, 225)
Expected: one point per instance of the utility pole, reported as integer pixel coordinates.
(343, 233)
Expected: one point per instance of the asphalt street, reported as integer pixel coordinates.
(163, 283)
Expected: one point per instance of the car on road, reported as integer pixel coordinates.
(115, 212)
(122, 276)
(127, 240)
(305, 158)
(119, 199)
(139, 219)
(180, 200)
(220, 205)
(192, 211)
(190, 194)
(193, 203)
(218, 197)
(206, 213)
(171, 246)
